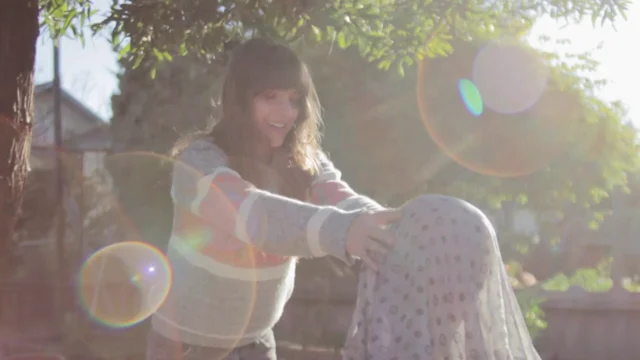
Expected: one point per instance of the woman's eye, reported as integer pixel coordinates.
(269, 95)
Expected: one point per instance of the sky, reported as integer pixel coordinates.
(89, 72)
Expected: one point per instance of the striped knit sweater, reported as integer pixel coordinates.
(233, 247)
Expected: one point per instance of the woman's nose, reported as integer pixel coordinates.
(288, 109)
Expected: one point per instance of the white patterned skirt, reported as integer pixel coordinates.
(442, 294)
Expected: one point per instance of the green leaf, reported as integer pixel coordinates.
(408, 60)
(83, 19)
(363, 46)
(153, 73)
(623, 14)
(400, 68)
(384, 64)
(125, 49)
(115, 38)
(59, 10)
(158, 54)
(331, 33)
(317, 32)
(342, 43)
(70, 16)
(139, 58)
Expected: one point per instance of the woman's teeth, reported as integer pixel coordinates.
(279, 126)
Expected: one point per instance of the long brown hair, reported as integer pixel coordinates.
(255, 66)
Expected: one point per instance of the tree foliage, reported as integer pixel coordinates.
(65, 17)
(376, 111)
(389, 33)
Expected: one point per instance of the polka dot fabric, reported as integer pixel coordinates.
(442, 294)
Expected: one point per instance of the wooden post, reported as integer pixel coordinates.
(61, 222)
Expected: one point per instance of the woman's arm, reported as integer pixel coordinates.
(204, 184)
(330, 189)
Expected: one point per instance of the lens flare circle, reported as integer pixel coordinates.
(454, 105)
(471, 96)
(510, 76)
(122, 284)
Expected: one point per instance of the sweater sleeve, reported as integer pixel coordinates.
(329, 189)
(204, 184)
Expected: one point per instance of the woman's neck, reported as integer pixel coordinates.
(264, 153)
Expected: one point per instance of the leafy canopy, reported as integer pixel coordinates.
(391, 33)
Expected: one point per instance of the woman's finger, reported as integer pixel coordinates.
(383, 236)
(368, 261)
(385, 217)
(378, 246)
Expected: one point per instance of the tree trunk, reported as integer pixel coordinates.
(19, 31)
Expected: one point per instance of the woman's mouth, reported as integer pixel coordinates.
(277, 125)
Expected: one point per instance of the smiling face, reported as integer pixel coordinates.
(270, 115)
(269, 103)
(275, 112)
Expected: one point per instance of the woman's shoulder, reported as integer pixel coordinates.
(202, 153)
(202, 144)
(325, 170)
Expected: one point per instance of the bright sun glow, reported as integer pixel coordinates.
(618, 60)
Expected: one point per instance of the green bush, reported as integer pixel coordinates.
(532, 312)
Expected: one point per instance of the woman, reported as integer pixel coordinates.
(249, 197)
(441, 294)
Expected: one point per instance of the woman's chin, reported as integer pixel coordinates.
(276, 144)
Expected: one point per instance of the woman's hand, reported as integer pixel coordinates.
(368, 237)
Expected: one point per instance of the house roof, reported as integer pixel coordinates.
(97, 138)
(70, 100)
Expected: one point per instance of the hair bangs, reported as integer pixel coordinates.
(275, 67)
(281, 76)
